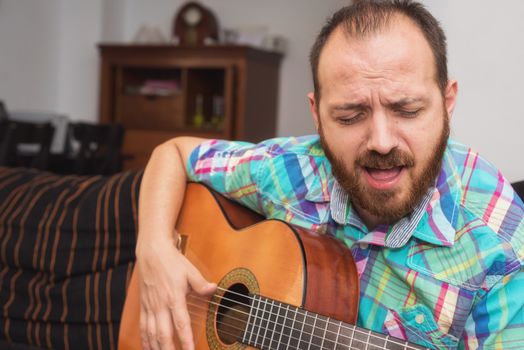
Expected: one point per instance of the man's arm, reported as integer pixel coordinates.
(163, 289)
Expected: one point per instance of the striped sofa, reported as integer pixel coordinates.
(66, 254)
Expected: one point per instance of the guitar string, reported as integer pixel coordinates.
(239, 294)
(353, 329)
(388, 339)
(203, 320)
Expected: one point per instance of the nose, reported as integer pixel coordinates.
(382, 136)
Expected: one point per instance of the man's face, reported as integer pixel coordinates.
(382, 118)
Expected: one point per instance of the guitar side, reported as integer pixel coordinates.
(270, 258)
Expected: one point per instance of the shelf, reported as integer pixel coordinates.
(153, 92)
(150, 112)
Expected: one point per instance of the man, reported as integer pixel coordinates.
(437, 233)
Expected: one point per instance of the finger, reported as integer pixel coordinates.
(165, 335)
(182, 323)
(198, 283)
(143, 328)
(152, 332)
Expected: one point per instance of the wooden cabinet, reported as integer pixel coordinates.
(161, 91)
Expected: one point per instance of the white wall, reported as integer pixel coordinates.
(29, 42)
(81, 30)
(49, 59)
(48, 56)
(486, 56)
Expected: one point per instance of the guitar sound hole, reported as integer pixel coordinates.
(232, 314)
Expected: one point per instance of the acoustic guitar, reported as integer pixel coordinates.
(279, 286)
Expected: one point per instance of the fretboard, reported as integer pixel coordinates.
(277, 326)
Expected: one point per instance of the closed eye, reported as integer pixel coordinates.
(350, 120)
(408, 113)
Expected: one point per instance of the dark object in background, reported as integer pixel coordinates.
(4, 116)
(99, 148)
(24, 144)
(519, 188)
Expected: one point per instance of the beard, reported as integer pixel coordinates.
(384, 204)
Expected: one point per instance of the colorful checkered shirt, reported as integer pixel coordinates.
(450, 275)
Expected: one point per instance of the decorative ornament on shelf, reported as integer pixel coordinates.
(195, 25)
(149, 34)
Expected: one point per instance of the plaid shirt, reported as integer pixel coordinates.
(449, 275)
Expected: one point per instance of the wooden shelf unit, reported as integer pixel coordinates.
(241, 80)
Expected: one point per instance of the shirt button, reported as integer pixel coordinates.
(364, 246)
(419, 318)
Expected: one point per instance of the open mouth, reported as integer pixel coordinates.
(383, 178)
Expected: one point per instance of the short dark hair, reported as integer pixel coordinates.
(366, 17)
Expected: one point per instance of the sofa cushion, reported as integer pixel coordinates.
(66, 255)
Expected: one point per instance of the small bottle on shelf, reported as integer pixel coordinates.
(217, 119)
(198, 117)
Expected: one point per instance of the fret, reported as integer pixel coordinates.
(277, 328)
(305, 332)
(332, 335)
(289, 334)
(377, 341)
(324, 334)
(396, 344)
(319, 330)
(265, 324)
(250, 323)
(309, 340)
(257, 321)
(359, 339)
(312, 333)
(272, 323)
(282, 322)
(346, 336)
(367, 341)
(296, 333)
(338, 345)
(253, 311)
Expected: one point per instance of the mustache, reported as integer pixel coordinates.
(395, 158)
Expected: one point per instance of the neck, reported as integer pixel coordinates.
(371, 221)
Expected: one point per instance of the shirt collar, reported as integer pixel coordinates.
(434, 219)
(341, 209)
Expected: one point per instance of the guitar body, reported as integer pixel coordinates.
(232, 246)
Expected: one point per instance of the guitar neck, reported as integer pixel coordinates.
(275, 325)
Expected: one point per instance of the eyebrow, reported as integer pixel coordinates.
(349, 107)
(402, 103)
(406, 102)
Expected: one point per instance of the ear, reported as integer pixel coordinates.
(450, 96)
(313, 107)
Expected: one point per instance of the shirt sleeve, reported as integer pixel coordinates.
(230, 168)
(497, 322)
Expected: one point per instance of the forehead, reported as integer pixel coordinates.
(397, 57)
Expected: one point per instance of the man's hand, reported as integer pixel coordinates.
(166, 277)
